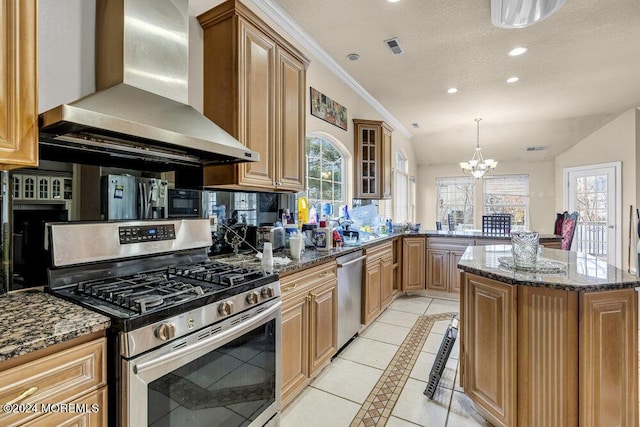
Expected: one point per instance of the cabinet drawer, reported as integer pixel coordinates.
(91, 411)
(379, 251)
(303, 281)
(59, 378)
(448, 243)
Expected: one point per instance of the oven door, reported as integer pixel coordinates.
(227, 375)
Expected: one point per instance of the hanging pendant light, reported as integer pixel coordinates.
(478, 166)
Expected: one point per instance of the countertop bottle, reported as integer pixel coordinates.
(323, 237)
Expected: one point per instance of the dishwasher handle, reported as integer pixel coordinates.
(353, 261)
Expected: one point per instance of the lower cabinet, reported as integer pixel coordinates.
(443, 255)
(309, 325)
(413, 266)
(75, 375)
(378, 281)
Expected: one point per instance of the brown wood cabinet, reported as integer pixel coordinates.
(378, 281)
(398, 264)
(413, 265)
(538, 356)
(73, 375)
(372, 145)
(254, 88)
(19, 84)
(489, 318)
(443, 255)
(309, 325)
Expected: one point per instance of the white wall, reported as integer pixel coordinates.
(541, 192)
(616, 141)
(66, 51)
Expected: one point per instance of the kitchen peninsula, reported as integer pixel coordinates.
(549, 349)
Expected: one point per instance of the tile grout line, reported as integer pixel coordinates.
(377, 408)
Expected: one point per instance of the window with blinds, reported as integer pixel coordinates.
(456, 196)
(508, 194)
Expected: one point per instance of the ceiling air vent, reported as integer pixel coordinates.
(536, 148)
(394, 45)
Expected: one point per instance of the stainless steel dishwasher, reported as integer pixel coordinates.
(349, 295)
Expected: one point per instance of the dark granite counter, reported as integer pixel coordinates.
(310, 256)
(472, 234)
(33, 320)
(583, 273)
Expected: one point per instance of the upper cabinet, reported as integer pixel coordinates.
(254, 88)
(372, 147)
(18, 84)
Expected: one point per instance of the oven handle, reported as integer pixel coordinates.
(210, 342)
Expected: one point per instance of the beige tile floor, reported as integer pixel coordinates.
(335, 396)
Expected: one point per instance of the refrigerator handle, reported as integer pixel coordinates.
(142, 200)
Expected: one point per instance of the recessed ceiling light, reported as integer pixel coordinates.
(452, 90)
(353, 57)
(393, 1)
(512, 79)
(518, 51)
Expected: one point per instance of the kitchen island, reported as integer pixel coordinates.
(558, 347)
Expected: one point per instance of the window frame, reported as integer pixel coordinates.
(345, 157)
(442, 211)
(515, 225)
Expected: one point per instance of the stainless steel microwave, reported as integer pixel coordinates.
(185, 203)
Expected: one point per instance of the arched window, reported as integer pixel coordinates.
(326, 170)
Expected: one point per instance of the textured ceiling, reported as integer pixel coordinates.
(581, 71)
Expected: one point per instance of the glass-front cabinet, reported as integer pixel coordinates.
(372, 159)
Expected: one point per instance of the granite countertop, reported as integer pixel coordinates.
(32, 320)
(310, 256)
(475, 234)
(583, 273)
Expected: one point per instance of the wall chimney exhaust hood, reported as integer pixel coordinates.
(141, 114)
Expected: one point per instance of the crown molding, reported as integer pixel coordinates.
(280, 17)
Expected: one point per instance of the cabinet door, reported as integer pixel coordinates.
(44, 188)
(17, 187)
(490, 342)
(386, 286)
(371, 298)
(437, 269)
(295, 344)
(257, 106)
(56, 188)
(324, 325)
(290, 108)
(18, 85)
(29, 187)
(454, 273)
(368, 161)
(413, 263)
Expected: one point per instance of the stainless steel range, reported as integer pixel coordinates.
(192, 342)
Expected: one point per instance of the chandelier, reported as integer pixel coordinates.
(478, 166)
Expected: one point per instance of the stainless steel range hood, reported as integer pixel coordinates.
(141, 115)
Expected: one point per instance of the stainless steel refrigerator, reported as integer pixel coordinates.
(119, 197)
(153, 198)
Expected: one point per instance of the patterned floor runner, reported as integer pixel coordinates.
(377, 408)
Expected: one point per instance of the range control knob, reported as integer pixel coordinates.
(226, 308)
(253, 298)
(267, 292)
(166, 331)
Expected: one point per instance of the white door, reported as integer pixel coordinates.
(594, 192)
